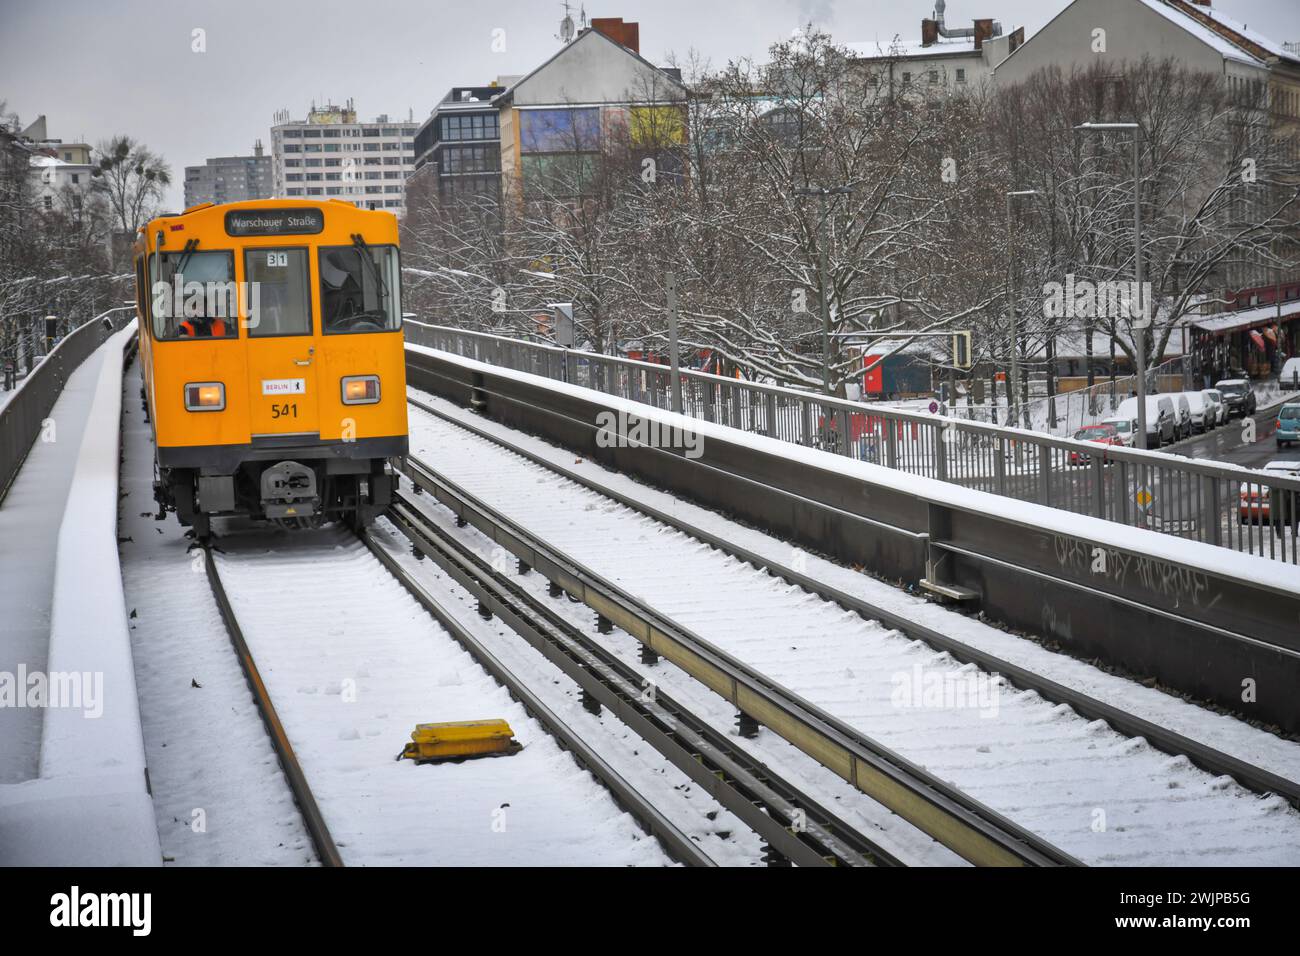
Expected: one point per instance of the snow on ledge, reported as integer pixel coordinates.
(1221, 562)
(89, 806)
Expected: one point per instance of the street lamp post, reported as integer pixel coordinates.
(1013, 396)
(824, 193)
(1140, 322)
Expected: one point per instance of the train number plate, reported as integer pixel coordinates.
(284, 386)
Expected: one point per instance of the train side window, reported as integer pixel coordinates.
(193, 295)
(360, 290)
(279, 295)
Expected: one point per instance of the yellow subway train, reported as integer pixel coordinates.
(272, 353)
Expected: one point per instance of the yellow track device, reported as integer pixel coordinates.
(460, 739)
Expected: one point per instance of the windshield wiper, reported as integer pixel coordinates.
(363, 250)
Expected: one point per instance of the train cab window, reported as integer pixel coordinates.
(193, 295)
(279, 292)
(360, 289)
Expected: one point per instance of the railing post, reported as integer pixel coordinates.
(846, 432)
(1210, 515)
(706, 388)
(1098, 486)
(806, 435)
(1000, 465)
(771, 415)
(940, 452)
(891, 442)
(1044, 474)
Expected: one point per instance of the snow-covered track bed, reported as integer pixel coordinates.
(966, 827)
(792, 825)
(353, 663)
(1164, 738)
(1098, 794)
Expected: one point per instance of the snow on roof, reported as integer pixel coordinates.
(903, 49)
(1242, 318)
(1272, 46)
(39, 159)
(1227, 49)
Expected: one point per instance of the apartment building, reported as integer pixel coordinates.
(230, 178)
(331, 155)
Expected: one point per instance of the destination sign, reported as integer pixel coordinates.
(274, 222)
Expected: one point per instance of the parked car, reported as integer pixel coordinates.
(1215, 397)
(1161, 418)
(1126, 430)
(1183, 424)
(1290, 374)
(1202, 411)
(1238, 396)
(1287, 427)
(1102, 434)
(1252, 499)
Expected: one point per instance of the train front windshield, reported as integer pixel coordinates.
(360, 289)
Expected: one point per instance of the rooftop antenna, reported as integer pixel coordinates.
(566, 25)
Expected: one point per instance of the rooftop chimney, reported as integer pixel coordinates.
(624, 34)
(983, 30)
(929, 32)
(257, 148)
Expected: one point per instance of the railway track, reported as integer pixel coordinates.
(1207, 758)
(326, 849)
(675, 843)
(794, 826)
(973, 831)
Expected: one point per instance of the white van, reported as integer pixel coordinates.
(1161, 418)
(1214, 401)
(1183, 413)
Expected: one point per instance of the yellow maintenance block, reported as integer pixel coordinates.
(460, 738)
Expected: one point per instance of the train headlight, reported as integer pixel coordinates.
(205, 396)
(360, 389)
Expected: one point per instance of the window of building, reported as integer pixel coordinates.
(392, 189)
(934, 76)
(374, 175)
(331, 147)
(392, 160)
(372, 147)
(292, 148)
(311, 149)
(373, 161)
(293, 134)
(48, 202)
(372, 131)
(559, 130)
(294, 192)
(293, 177)
(393, 203)
(391, 131)
(961, 75)
(313, 177)
(311, 133)
(333, 162)
(907, 78)
(371, 190)
(330, 133)
(333, 177)
(314, 191)
(76, 178)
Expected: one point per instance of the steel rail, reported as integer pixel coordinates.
(1162, 738)
(676, 843)
(794, 825)
(326, 850)
(973, 831)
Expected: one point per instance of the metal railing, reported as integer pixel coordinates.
(22, 416)
(1247, 510)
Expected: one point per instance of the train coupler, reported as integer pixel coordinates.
(460, 740)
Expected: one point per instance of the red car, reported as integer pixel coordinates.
(1098, 434)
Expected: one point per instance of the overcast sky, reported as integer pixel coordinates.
(99, 67)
